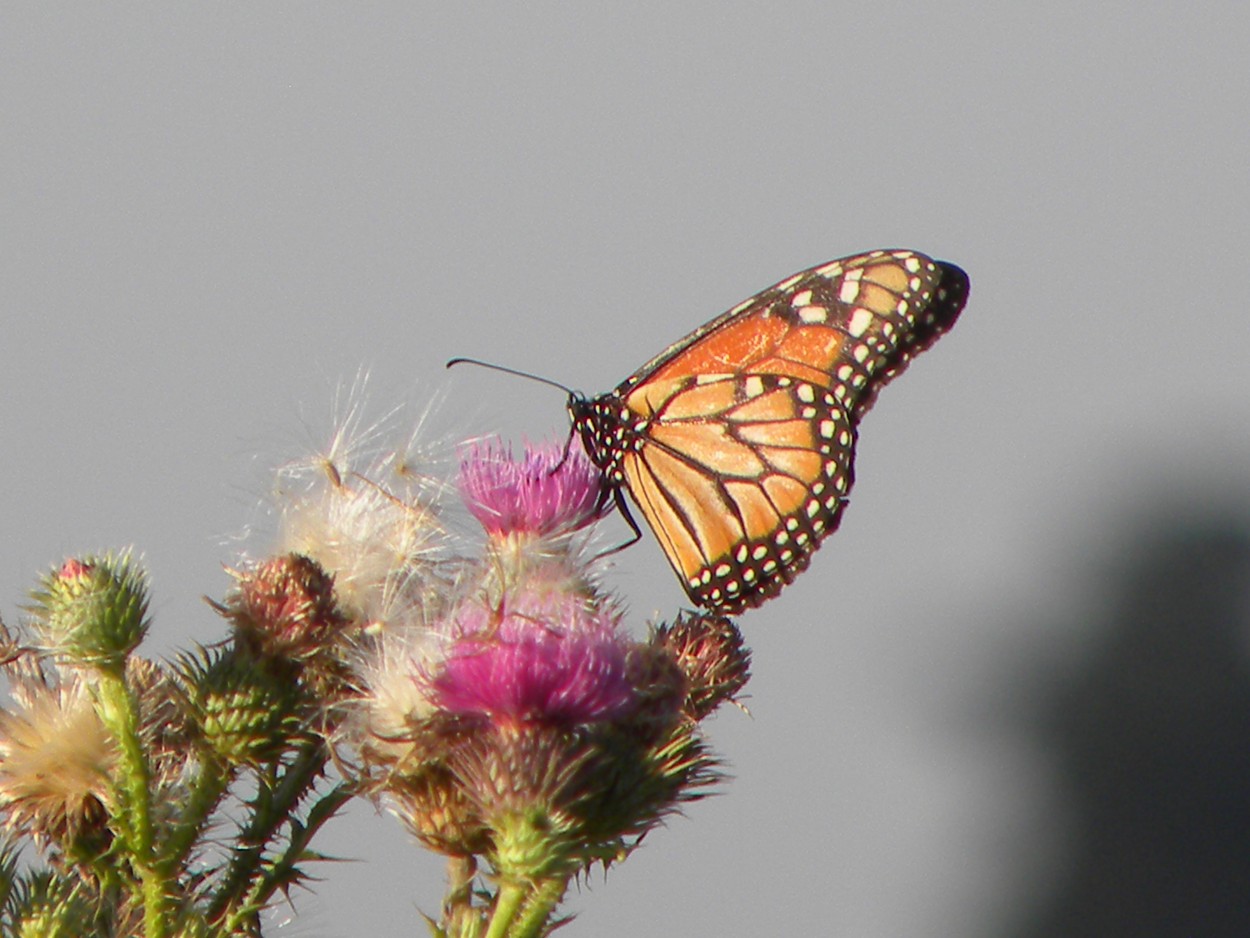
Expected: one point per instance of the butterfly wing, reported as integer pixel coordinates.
(740, 478)
(737, 443)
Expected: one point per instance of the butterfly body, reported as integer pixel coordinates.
(737, 443)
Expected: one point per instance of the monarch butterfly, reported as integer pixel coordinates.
(737, 443)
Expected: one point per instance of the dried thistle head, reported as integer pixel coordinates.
(56, 761)
(368, 513)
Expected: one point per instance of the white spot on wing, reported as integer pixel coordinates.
(861, 319)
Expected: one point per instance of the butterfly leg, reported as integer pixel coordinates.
(619, 498)
(564, 456)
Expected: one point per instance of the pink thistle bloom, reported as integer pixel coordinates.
(553, 662)
(544, 493)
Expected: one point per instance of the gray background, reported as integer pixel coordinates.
(1009, 698)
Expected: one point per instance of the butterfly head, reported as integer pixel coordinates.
(597, 421)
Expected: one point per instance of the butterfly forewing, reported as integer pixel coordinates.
(737, 443)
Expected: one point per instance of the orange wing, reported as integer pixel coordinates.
(741, 478)
(738, 442)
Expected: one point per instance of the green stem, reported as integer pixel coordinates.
(542, 901)
(119, 712)
(507, 904)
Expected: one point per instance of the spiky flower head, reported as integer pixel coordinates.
(561, 737)
(56, 762)
(709, 650)
(92, 610)
(245, 709)
(530, 508)
(548, 662)
(545, 659)
(553, 489)
(284, 608)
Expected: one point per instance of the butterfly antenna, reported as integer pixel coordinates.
(511, 371)
(568, 443)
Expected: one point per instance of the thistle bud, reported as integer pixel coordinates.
(48, 906)
(710, 651)
(285, 609)
(94, 610)
(245, 712)
(433, 805)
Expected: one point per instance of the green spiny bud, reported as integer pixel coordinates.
(47, 906)
(435, 808)
(246, 711)
(93, 610)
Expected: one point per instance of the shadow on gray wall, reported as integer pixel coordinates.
(1149, 736)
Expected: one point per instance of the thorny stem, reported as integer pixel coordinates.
(119, 713)
(524, 911)
(211, 782)
(230, 902)
(543, 899)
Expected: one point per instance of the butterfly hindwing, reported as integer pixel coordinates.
(741, 492)
(737, 443)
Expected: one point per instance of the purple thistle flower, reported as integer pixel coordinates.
(552, 661)
(544, 493)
